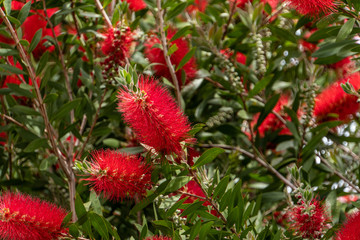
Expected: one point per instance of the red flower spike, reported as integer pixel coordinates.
(313, 8)
(136, 5)
(154, 116)
(351, 228)
(118, 176)
(308, 220)
(334, 100)
(197, 6)
(156, 55)
(158, 238)
(23, 217)
(116, 47)
(3, 137)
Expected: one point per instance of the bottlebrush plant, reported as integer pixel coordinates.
(192, 119)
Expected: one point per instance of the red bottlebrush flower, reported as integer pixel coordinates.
(118, 176)
(308, 220)
(154, 116)
(351, 228)
(343, 67)
(348, 199)
(271, 122)
(334, 100)
(158, 238)
(312, 8)
(198, 5)
(35, 21)
(239, 3)
(116, 47)
(273, 3)
(136, 5)
(23, 217)
(156, 55)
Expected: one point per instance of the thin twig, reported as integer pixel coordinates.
(92, 126)
(165, 51)
(4, 116)
(232, 11)
(337, 173)
(258, 159)
(103, 13)
(191, 195)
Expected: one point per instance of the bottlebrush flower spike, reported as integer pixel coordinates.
(334, 100)
(154, 116)
(23, 217)
(156, 55)
(158, 238)
(351, 228)
(118, 176)
(136, 5)
(116, 48)
(198, 5)
(308, 220)
(313, 8)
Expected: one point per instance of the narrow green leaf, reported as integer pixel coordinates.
(172, 49)
(221, 187)
(260, 86)
(182, 32)
(194, 232)
(35, 41)
(44, 60)
(186, 58)
(345, 30)
(11, 69)
(38, 143)
(65, 109)
(23, 110)
(208, 156)
(269, 106)
(24, 12)
(176, 11)
(8, 52)
(15, 88)
(7, 5)
(177, 183)
(99, 224)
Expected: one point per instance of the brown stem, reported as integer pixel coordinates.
(13, 121)
(103, 13)
(78, 155)
(48, 128)
(232, 11)
(258, 159)
(160, 16)
(191, 195)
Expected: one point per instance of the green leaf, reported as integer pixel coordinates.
(181, 32)
(345, 30)
(15, 88)
(66, 220)
(192, 208)
(208, 156)
(186, 58)
(44, 61)
(65, 109)
(8, 52)
(172, 49)
(35, 41)
(7, 6)
(176, 183)
(205, 228)
(23, 110)
(79, 207)
(269, 106)
(11, 69)
(172, 210)
(176, 11)
(24, 12)
(99, 224)
(221, 187)
(38, 143)
(260, 86)
(73, 230)
(195, 230)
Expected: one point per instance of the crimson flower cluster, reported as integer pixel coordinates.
(23, 217)
(116, 48)
(313, 8)
(351, 228)
(158, 238)
(334, 104)
(118, 176)
(308, 220)
(154, 116)
(156, 55)
(136, 5)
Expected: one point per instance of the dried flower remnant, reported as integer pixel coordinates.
(334, 104)
(351, 228)
(136, 5)
(116, 48)
(308, 220)
(156, 55)
(23, 217)
(154, 116)
(313, 8)
(118, 176)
